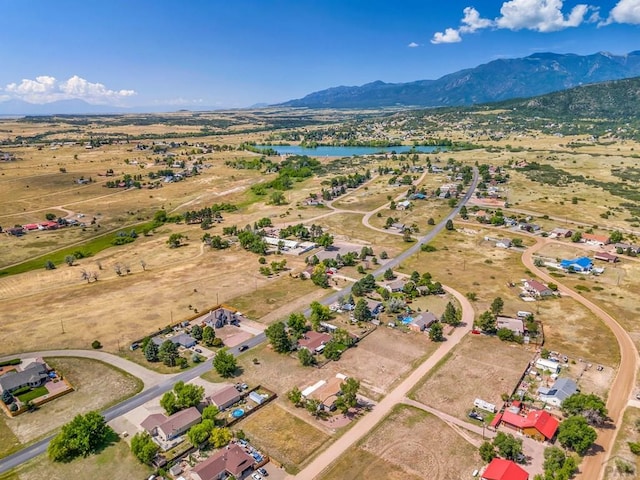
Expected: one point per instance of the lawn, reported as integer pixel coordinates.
(404, 446)
(115, 461)
(33, 394)
(283, 436)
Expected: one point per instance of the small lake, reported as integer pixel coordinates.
(348, 151)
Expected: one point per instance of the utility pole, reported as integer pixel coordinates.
(62, 325)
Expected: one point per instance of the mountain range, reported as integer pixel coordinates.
(498, 80)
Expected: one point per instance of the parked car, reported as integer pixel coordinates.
(476, 416)
(256, 476)
(243, 348)
(197, 350)
(263, 472)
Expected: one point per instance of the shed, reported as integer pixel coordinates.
(550, 365)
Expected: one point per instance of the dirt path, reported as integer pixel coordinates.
(593, 466)
(397, 395)
(148, 377)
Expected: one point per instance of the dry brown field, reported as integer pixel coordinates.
(479, 367)
(481, 268)
(284, 436)
(96, 386)
(406, 445)
(628, 432)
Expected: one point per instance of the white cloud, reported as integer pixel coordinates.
(537, 15)
(625, 11)
(450, 35)
(472, 21)
(45, 89)
(413, 45)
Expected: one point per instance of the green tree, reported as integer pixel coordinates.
(143, 447)
(220, 437)
(169, 403)
(616, 237)
(81, 437)
(575, 434)
(210, 412)
(463, 212)
(277, 335)
(388, 274)
(349, 389)
(487, 322)
(449, 225)
(361, 312)
(188, 395)
(168, 353)
(297, 324)
(70, 260)
(451, 316)
(487, 452)
(576, 237)
(497, 306)
(590, 406)
(225, 363)
(175, 240)
(49, 265)
(313, 407)
(319, 313)
(151, 352)
(196, 332)
(277, 198)
(208, 335)
(50, 216)
(436, 332)
(295, 396)
(306, 357)
(200, 433)
(333, 350)
(508, 446)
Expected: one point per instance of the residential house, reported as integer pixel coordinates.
(596, 240)
(182, 340)
(16, 231)
(561, 390)
(606, 257)
(547, 365)
(626, 247)
(394, 285)
(537, 424)
(560, 233)
(418, 196)
(224, 398)
(375, 306)
(168, 428)
(504, 243)
(580, 264)
(314, 341)
(33, 375)
(516, 325)
(537, 289)
(422, 322)
(398, 226)
(404, 205)
(231, 460)
(326, 392)
(501, 469)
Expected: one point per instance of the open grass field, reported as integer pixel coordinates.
(349, 227)
(406, 445)
(486, 271)
(629, 432)
(97, 385)
(479, 367)
(115, 461)
(284, 436)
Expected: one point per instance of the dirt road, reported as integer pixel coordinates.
(593, 466)
(382, 409)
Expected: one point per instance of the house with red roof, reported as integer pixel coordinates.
(537, 424)
(501, 469)
(537, 289)
(314, 341)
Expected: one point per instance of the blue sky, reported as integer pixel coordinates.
(234, 53)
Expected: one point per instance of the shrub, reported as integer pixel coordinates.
(96, 345)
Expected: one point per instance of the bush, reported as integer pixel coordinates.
(96, 345)
(13, 361)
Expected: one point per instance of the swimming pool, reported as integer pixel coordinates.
(237, 413)
(407, 320)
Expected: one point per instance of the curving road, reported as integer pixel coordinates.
(593, 466)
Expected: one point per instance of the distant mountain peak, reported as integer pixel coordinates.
(498, 80)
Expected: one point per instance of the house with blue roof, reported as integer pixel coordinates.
(580, 264)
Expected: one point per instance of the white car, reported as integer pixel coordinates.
(255, 476)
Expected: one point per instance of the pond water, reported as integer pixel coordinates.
(347, 151)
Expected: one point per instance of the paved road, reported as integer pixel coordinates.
(40, 447)
(397, 395)
(593, 466)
